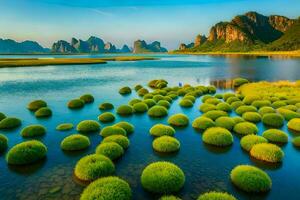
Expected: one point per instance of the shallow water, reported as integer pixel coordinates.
(206, 168)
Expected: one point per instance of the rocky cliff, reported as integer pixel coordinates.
(11, 46)
(140, 46)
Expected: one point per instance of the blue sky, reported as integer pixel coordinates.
(123, 21)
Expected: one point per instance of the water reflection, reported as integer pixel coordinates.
(27, 169)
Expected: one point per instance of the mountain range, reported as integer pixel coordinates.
(10, 46)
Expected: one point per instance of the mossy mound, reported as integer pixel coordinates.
(140, 107)
(235, 105)
(106, 106)
(10, 123)
(273, 120)
(125, 110)
(248, 141)
(137, 87)
(43, 112)
(261, 103)
(111, 150)
(162, 177)
(219, 96)
(291, 107)
(186, 103)
(217, 136)
(169, 99)
(164, 103)
(288, 114)
(205, 107)
(125, 90)
(278, 104)
(225, 122)
(92, 167)
(203, 123)
(107, 188)
(226, 96)
(75, 142)
(3, 143)
(36, 104)
(158, 84)
(148, 96)
(267, 152)
(266, 110)
(249, 99)
(33, 131)
(64, 127)
(134, 101)
(87, 126)
(157, 111)
(213, 101)
(237, 82)
(296, 141)
(129, 128)
(142, 92)
(149, 102)
(215, 114)
(178, 120)
(294, 124)
(224, 107)
(216, 196)
(112, 130)
(169, 197)
(245, 128)
(250, 179)
(237, 119)
(75, 104)
(26, 153)
(119, 139)
(275, 135)
(242, 109)
(253, 117)
(205, 97)
(166, 144)
(189, 97)
(231, 99)
(160, 130)
(158, 97)
(87, 98)
(2, 116)
(106, 117)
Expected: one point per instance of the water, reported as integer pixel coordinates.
(205, 168)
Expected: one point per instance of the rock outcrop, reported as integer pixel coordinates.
(11, 46)
(140, 46)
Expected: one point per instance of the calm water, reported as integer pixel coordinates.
(205, 168)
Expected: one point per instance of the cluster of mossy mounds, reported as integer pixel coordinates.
(248, 141)
(92, 167)
(158, 84)
(157, 111)
(296, 141)
(112, 130)
(294, 124)
(166, 144)
(216, 196)
(149, 102)
(107, 188)
(125, 90)
(160, 130)
(288, 114)
(215, 114)
(186, 103)
(242, 109)
(205, 107)
(237, 82)
(142, 92)
(75, 104)
(87, 98)
(106, 117)
(179, 120)
(245, 128)
(75, 142)
(43, 112)
(36, 104)
(125, 110)
(203, 123)
(106, 106)
(87, 126)
(111, 150)
(169, 197)
(266, 110)
(267, 152)
(122, 140)
(249, 99)
(129, 128)
(140, 107)
(250, 179)
(217, 136)
(164, 103)
(33, 131)
(3, 143)
(224, 107)
(26, 153)
(162, 177)
(225, 122)
(10, 123)
(275, 136)
(253, 117)
(64, 127)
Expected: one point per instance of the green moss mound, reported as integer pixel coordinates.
(238, 119)
(293, 124)
(106, 117)
(158, 97)
(261, 103)
(112, 130)
(231, 99)
(119, 139)
(3, 143)
(288, 114)
(266, 110)
(215, 114)
(124, 110)
(275, 135)
(125, 90)
(217, 136)
(36, 104)
(253, 117)
(278, 104)
(87, 98)
(129, 128)
(160, 130)
(169, 99)
(140, 107)
(189, 97)
(205, 107)
(43, 112)
(26, 153)
(225, 122)
(134, 101)
(213, 101)
(164, 103)
(33, 131)
(291, 107)
(203, 123)
(142, 92)
(219, 96)
(64, 127)
(178, 120)
(245, 128)
(242, 109)
(224, 107)
(248, 141)
(137, 87)
(296, 141)
(162, 177)
(158, 84)
(75, 142)
(235, 105)
(267, 152)
(250, 179)
(249, 99)
(10, 123)
(2, 116)
(157, 111)
(92, 167)
(166, 144)
(75, 104)
(216, 196)
(273, 120)
(111, 150)
(186, 103)
(106, 106)
(149, 102)
(107, 188)
(169, 197)
(87, 126)
(237, 82)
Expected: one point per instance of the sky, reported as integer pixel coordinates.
(123, 21)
